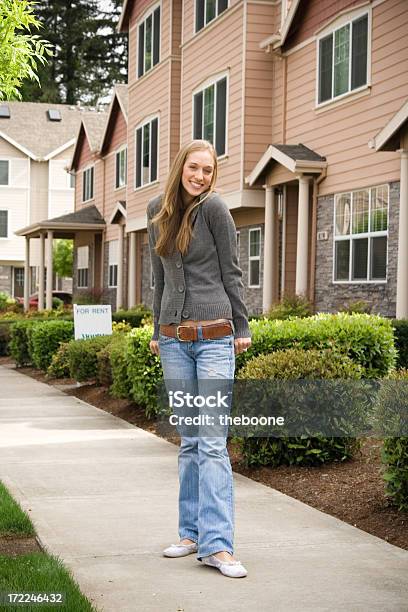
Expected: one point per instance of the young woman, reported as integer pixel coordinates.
(200, 323)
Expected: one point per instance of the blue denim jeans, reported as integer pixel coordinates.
(206, 496)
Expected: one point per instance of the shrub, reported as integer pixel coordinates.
(401, 341)
(298, 364)
(121, 386)
(290, 307)
(134, 317)
(83, 357)
(143, 369)
(59, 366)
(356, 306)
(91, 296)
(19, 342)
(366, 339)
(392, 405)
(6, 301)
(5, 336)
(46, 338)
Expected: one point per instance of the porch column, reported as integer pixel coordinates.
(42, 273)
(402, 275)
(27, 274)
(119, 289)
(48, 301)
(132, 270)
(271, 263)
(302, 237)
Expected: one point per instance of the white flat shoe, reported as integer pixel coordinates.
(180, 550)
(232, 569)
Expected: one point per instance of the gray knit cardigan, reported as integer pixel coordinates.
(206, 282)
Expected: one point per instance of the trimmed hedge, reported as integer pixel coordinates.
(83, 357)
(45, 340)
(112, 367)
(143, 369)
(298, 364)
(59, 366)
(401, 341)
(367, 339)
(19, 342)
(392, 405)
(134, 317)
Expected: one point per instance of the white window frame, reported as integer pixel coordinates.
(80, 279)
(8, 172)
(84, 175)
(8, 223)
(339, 23)
(138, 127)
(369, 234)
(118, 154)
(212, 20)
(113, 264)
(201, 88)
(254, 257)
(142, 21)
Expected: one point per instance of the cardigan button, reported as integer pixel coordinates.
(181, 288)
(185, 314)
(179, 264)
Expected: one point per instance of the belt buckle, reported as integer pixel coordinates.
(178, 335)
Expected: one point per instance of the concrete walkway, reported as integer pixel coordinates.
(103, 496)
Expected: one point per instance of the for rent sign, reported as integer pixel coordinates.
(92, 320)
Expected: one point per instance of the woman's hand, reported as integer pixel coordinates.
(241, 345)
(154, 347)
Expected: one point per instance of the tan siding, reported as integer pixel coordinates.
(258, 84)
(66, 153)
(149, 96)
(342, 132)
(279, 174)
(117, 131)
(291, 239)
(9, 150)
(223, 43)
(38, 191)
(177, 10)
(112, 195)
(245, 217)
(188, 18)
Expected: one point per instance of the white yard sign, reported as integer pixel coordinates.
(92, 320)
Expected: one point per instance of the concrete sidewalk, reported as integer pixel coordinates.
(103, 496)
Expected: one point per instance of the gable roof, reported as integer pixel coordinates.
(30, 130)
(388, 138)
(279, 39)
(123, 24)
(88, 218)
(120, 98)
(92, 128)
(296, 158)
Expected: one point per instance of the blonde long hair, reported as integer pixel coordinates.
(175, 228)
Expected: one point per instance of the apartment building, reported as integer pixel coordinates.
(306, 104)
(36, 145)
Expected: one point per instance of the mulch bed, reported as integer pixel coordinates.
(352, 491)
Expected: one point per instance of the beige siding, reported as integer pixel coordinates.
(342, 132)
(8, 150)
(149, 97)
(65, 154)
(39, 191)
(223, 42)
(188, 19)
(258, 84)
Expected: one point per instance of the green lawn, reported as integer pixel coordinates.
(36, 572)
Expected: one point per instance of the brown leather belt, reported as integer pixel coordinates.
(189, 333)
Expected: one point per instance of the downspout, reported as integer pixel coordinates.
(316, 183)
(284, 96)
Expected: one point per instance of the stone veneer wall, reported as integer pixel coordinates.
(252, 296)
(330, 296)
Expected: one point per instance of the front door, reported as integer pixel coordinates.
(18, 282)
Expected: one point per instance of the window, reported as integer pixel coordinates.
(361, 234)
(113, 263)
(88, 184)
(343, 59)
(83, 266)
(121, 168)
(4, 172)
(3, 223)
(146, 153)
(207, 10)
(149, 42)
(210, 114)
(254, 257)
(238, 243)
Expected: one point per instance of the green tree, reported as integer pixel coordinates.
(21, 53)
(63, 257)
(90, 56)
